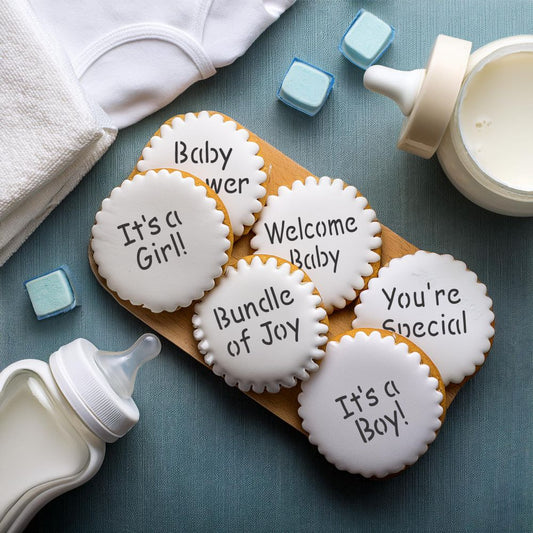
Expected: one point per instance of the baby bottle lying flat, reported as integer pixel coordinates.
(55, 420)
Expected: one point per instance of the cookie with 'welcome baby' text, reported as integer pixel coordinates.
(326, 228)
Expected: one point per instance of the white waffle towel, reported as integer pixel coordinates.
(50, 136)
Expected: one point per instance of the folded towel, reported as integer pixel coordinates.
(50, 136)
(134, 57)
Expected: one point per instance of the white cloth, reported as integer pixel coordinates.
(136, 56)
(50, 137)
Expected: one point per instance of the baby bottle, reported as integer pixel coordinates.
(476, 112)
(56, 418)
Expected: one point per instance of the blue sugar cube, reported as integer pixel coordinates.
(366, 40)
(305, 87)
(51, 293)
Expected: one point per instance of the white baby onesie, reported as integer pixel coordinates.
(134, 57)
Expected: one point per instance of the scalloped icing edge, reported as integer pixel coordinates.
(258, 199)
(302, 372)
(411, 350)
(211, 197)
(474, 367)
(352, 290)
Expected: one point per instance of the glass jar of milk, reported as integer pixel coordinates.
(55, 421)
(476, 112)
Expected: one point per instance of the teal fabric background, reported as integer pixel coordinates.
(204, 457)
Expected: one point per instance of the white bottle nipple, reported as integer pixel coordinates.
(401, 86)
(120, 368)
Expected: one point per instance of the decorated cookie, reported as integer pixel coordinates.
(436, 302)
(161, 239)
(326, 228)
(375, 405)
(217, 151)
(262, 326)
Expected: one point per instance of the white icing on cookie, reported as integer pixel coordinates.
(261, 327)
(437, 303)
(160, 241)
(373, 407)
(214, 150)
(322, 227)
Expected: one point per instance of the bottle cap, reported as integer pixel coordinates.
(427, 97)
(99, 384)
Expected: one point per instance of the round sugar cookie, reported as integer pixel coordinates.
(262, 326)
(218, 151)
(161, 239)
(439, 304)
(375, 405)
(326, 228)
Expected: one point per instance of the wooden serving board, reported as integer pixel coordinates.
(177, 326)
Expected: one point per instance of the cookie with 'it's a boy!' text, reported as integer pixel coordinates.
(375, 405)
(262, 327)
(161, 239)
(326, 228)
(439, 304)
(218, 151)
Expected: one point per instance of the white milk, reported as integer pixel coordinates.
(496, 119)
(475, 111)
(56, 418)
(55, 450)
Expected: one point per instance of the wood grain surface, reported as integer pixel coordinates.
(177, 326)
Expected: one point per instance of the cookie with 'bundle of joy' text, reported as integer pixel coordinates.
(262, 327)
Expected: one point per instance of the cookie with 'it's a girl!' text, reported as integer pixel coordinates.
(375, 405)
(161, 239)
(326, 228)
(262, 327)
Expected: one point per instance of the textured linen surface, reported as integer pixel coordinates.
(204, 457)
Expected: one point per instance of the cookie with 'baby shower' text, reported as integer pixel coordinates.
(217, 150)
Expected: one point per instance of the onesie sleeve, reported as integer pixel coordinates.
(133, 59)
(232, 26)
